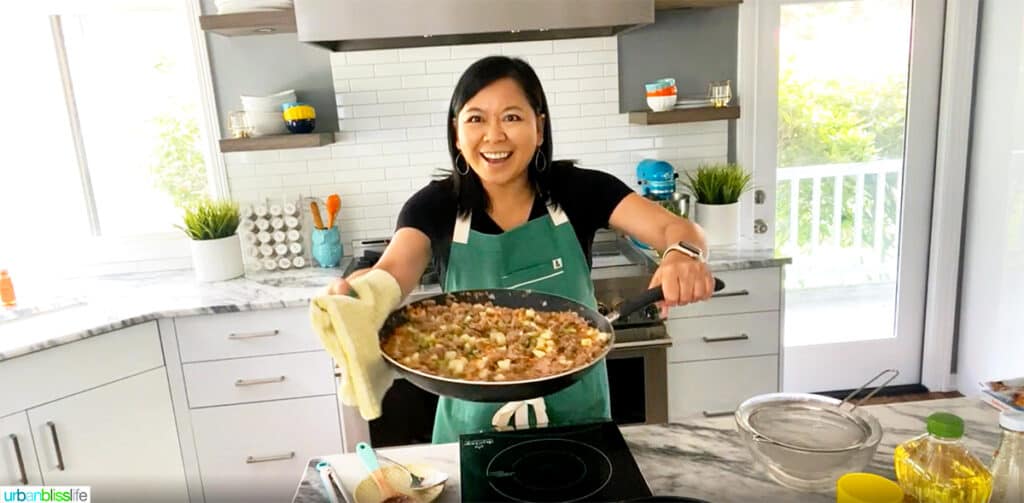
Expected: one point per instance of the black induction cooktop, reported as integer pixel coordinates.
(588, 462)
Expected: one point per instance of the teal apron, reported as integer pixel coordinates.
(541, 255)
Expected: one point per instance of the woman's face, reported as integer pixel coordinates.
(498, 132)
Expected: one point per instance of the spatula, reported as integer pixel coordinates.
(388, 494)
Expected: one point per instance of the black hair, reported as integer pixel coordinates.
(469, 191)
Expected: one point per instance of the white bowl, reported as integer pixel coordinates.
(266, 123)
(661, 103)
(271, 103)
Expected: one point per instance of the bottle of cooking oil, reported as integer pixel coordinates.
(936, 466)
(1008, 465)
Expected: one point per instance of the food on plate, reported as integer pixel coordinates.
(484, 342)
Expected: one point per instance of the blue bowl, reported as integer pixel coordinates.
(301, 126)
(659, 84)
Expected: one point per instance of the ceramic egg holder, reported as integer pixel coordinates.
(272, 237)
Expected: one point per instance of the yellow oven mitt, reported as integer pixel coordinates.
(348, 328)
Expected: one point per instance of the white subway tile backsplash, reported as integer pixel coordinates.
(367, 57)
(579, 71)
(364, 124)
(425, 54)
(408, 147)
(359, 175)
(397, 69)
(579, 45)
(434, 80)
(525, 48)
(375, 84)
(610, 83)
(631, 144)
(592, 58)
(357, 150)
(352, 71)
(384, 161)
(402, 95)
(393, 108)
(405, 121)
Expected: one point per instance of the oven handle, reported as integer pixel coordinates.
(653, 343)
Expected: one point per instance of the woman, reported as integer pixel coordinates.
(507, 217)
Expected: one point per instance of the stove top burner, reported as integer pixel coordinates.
(589, 462)
(549, 470)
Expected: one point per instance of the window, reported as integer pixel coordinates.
(102, 140)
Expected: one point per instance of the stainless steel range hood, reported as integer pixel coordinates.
(353, 25)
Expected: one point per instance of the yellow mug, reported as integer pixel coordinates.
(867, 488)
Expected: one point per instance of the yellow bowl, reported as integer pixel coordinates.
(867, 488)
(299, 112)
(367, 492)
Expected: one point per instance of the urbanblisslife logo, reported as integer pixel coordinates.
(76, 494)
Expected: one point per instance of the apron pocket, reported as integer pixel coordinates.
(530, 275)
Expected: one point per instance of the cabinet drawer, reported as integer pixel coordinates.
(731, 336)
(254, 333)
(745, 291)
(259, 378)
(257, 452)
(45, 376)
(718, 386)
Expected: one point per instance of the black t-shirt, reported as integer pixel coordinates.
(588, 198)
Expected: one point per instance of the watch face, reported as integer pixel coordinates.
(691, 248)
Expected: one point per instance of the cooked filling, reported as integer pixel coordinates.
(483, 342)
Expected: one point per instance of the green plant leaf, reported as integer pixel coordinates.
(718, 183)
(210, 219)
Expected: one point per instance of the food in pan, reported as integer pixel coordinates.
(484, 342)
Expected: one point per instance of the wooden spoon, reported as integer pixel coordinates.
(315, 211)
(388, 494)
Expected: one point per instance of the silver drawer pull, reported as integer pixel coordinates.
(737, 293)
(717, 413)
(253, 335)
(56, 445)
(21, 462)
(741, 337)
(277, 457)
(261, 380)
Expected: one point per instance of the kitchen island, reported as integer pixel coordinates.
(703, 457)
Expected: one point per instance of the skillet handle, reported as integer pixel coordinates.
(651, 296)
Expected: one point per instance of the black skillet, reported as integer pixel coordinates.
(509, 391)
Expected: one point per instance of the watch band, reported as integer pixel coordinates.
(688, 250)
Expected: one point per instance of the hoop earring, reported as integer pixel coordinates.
(540, 165)
(457, 170)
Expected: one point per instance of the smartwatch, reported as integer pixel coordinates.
(688, 249)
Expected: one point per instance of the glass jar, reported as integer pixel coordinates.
(1008, 465)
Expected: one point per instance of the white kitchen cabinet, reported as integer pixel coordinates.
(717, 387)
(250, 333)
(259, 379)
(119, 438)
(727, 349)
(257, 452)
(18, 464)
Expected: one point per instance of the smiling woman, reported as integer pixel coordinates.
(509, 217)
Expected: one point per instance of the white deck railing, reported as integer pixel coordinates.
(833, 261)
(838, 173)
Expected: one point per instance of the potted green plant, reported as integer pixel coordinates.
(717, 189)
(216, 249)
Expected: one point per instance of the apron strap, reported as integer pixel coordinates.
(462, 224)
(521, 410)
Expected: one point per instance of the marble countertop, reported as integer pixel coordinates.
(702, 458)
(87, 307)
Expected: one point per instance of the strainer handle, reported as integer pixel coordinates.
(894, 372)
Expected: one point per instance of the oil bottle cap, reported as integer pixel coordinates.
(945, 425)
(1012, 420)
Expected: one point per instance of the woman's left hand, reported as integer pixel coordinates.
(683, 280)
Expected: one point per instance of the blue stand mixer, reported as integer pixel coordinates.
(657, 181)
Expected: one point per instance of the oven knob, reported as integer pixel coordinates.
(603, 309)
(652, 312)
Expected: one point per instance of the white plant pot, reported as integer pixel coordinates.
(217, 259)
(721, 223)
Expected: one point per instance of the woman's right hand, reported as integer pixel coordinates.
(341, 286)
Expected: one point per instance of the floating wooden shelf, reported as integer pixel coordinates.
(250, 23)
(689, 4)
(685, 115)
(275, 142)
